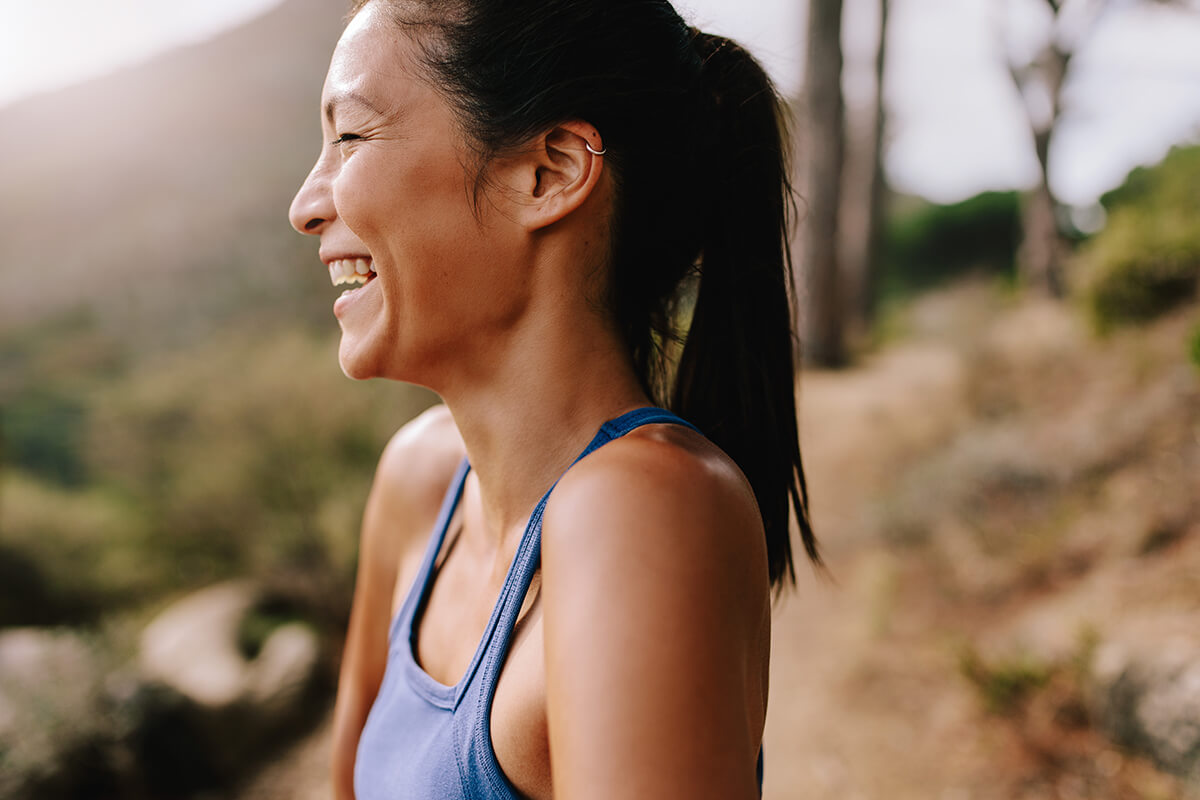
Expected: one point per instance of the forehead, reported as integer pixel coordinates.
(375, 59)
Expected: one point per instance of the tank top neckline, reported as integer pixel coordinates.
(405, 627)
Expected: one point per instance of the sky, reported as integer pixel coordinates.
(48, 44)
(956, 123)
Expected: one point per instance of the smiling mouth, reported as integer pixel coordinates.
(351, 270)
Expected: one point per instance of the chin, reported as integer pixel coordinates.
(358, 375)
(364, 357)
(355, 364)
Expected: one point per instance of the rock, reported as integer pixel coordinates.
(190, 716)
(215, 706)
(52, 722)
(278, 679)
(192, 646)
(1148, 699)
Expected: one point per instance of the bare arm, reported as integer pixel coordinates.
(657, 627)
(414, 470)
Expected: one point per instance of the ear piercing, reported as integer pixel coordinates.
(594, 151)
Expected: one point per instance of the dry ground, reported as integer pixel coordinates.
(1001, 483)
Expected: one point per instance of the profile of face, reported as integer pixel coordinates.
(393, 194)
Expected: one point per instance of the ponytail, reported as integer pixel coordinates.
(735, 378)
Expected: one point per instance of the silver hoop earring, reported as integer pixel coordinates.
(593, 151)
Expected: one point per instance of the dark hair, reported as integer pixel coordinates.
(695, 136)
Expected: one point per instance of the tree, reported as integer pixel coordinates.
(825, 154)
(1040, 82)
(868, 288)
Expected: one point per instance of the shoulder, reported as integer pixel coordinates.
(664, 505)
(422, 455)
(656, 621)
(414, 470)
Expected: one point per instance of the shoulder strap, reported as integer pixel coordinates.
(420, 585)
(529, 553)
(618, 427)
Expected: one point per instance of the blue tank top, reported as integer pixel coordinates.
(424, 740)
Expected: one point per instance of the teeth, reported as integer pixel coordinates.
(340, 279)
(350, 270)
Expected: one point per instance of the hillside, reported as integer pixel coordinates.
(159, 193)
(1010, 508)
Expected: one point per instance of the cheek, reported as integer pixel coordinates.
(359, 196)
(418, 201)
(443, 271)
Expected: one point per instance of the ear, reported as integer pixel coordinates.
(556, 174)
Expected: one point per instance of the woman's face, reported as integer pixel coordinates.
(392, 188)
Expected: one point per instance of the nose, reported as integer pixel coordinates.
(312, 207)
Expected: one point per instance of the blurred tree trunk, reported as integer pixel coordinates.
(1043, 245)
(872, 268)
(1044, 248)
(825, 132)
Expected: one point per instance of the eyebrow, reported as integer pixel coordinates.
(337, 99)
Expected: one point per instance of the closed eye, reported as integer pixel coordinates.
(346, 137)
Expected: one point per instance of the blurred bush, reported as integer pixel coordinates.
(41, 430)
(45, 371)
(928, 244)
(67, 555)
(1147, 259)
(245, 454)
(1004, 683)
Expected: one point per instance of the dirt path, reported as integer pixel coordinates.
(302, 773)
(864, 702)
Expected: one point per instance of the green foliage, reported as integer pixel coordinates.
(1087, 642)
(1009, 685)
(41, 430)
(1004, 684)
(258, 625)
(1147, 260)
(1169, 183)
(1143, 266)
(246, 454)
(933, 243)
(45, 373)
(67, 555)
(249, 455)
(1194, 346)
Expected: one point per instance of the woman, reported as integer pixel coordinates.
(529, 192)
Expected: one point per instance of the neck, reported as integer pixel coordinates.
(536, 404)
